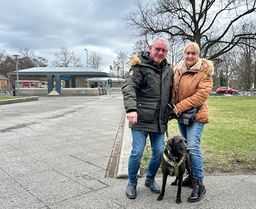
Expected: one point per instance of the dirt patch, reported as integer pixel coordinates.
(216, 171)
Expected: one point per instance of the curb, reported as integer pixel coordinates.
(115, 156)
(18, 100)
(126, 148)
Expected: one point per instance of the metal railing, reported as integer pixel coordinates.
(6, 92)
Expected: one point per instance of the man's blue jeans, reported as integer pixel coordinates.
(193, 135)
(138, 145)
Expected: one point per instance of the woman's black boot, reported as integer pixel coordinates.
(187, 182)
(198, 191)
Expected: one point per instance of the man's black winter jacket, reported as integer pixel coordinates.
(147, 90)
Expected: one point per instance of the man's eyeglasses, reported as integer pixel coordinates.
(191, 53)
(163, 50)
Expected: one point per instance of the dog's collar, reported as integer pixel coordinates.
(173, 163)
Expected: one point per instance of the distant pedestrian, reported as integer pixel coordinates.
(146, 93)
(191, 88)
(13, 90)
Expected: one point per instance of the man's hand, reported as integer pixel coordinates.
(132, 116)
(176, 111)
(172, 116)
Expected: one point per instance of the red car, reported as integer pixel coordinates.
(223, 90)
(26, 85)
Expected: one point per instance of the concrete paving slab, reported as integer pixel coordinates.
(242, 194)
(3, 175)
(88, 201)
(83, 173)
(20, 200)
(17, 163)
(51, 186)
(251, 179)
(78, 166)
(10, 186)
(217, 184)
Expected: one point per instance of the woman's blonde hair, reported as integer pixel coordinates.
(194, 45)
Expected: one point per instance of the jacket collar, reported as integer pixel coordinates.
(195, 68)
(200, 64)
(143, 58)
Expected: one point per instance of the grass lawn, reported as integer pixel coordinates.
(9, 97)
(228, 142)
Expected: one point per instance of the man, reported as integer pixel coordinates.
(146, 93)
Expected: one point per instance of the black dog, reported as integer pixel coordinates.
(175, 161)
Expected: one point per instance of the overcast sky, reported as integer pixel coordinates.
(45, 26)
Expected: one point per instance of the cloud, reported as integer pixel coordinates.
(46, 26)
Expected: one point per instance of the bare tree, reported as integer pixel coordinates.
(94, 61)
(66, 58)
(7, 65)
(140, 45)
(121, 65)
(246, 67)
(28, 59)
(41, 62)
(254, 76)
(2, 55)
(211, 23)
(238, 65)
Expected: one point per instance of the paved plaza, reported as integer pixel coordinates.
(55, 154)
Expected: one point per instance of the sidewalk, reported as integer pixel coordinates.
(55, 153)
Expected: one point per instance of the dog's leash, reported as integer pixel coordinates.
(174, 164)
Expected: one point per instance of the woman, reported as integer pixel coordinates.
(192, 86)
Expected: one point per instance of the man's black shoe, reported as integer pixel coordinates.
(187, 182)
(198, 191)
(131, 191)
(152, 185)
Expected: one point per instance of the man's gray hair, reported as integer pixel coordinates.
(160, 39)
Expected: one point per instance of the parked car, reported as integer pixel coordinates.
(223, 90)
(44, 85)
(26, 84)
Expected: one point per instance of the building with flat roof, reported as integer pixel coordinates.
(56, 74)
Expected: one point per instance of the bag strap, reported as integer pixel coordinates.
(199, 108)
(177, 92)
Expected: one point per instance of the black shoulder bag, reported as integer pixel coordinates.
(189, 116)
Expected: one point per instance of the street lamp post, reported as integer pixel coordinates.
(17, 57)
(87, 55)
